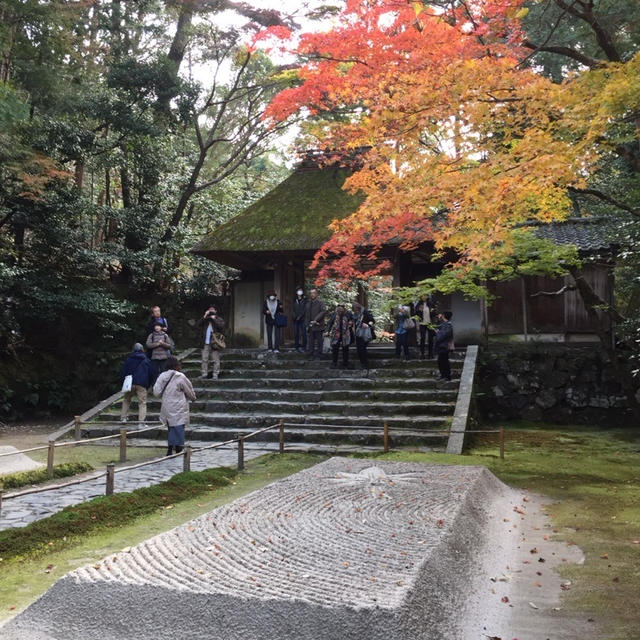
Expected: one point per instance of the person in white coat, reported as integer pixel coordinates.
(176, 391)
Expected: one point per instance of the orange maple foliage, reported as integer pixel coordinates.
(452, 122)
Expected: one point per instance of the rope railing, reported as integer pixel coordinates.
(239, 441)
(112, 470)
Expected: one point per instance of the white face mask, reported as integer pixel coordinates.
(272, 297)
(299, 292)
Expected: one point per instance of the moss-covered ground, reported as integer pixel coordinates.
(592, 476)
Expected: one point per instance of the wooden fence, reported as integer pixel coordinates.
(188, 452)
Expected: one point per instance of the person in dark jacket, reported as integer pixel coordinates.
(138, 366)
(270, 309)
(299, 314)
(211, 323)
(363, 320)
(443, 344)
(156, 317)
(314, 319)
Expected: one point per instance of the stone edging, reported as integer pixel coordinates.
(462, 411)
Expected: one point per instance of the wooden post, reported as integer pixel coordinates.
(77, 427)
(385, 437)
(240, 452)
(186, 460)
(1, 492)
(501, 443)
(281, 436)
(111, 477)
(123, 445)
(50, 453)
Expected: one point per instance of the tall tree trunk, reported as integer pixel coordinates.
(79, 174)
(175, 56)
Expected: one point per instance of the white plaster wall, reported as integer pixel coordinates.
(247, 308)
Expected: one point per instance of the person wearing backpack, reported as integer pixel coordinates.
(138, 366)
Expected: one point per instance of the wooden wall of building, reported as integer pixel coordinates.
(516, 310)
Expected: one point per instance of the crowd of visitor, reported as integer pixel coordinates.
(316, 331)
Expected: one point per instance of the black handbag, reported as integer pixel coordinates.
(281, 320)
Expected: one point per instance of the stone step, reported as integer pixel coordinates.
(292, 355)
(207, 420)
(323, 373)
(215, 391)
(353, 407)
(322, 395)
(276, 363)
(364, 435)
(228, 380)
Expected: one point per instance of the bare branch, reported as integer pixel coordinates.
(564, 51)
(596, 193)
(602, 37)
(559, 292)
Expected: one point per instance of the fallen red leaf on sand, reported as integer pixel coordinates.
(504, 599)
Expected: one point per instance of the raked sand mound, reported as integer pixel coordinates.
(347, 549)
(17, 462)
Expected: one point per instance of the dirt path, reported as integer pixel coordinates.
(23, 435)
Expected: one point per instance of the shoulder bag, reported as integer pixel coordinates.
(218, 342)
(408, 324)
(128, 383)
(364, 333)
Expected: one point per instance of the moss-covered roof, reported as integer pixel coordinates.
(292, 217)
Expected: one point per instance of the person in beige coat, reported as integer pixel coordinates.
(176, 390)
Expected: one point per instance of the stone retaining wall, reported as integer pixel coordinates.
(551, 383)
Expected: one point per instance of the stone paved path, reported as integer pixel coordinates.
(20, 511)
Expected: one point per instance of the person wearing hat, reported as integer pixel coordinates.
(270, 309)
(138, 366)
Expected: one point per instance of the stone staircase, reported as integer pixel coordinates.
(323, 405)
